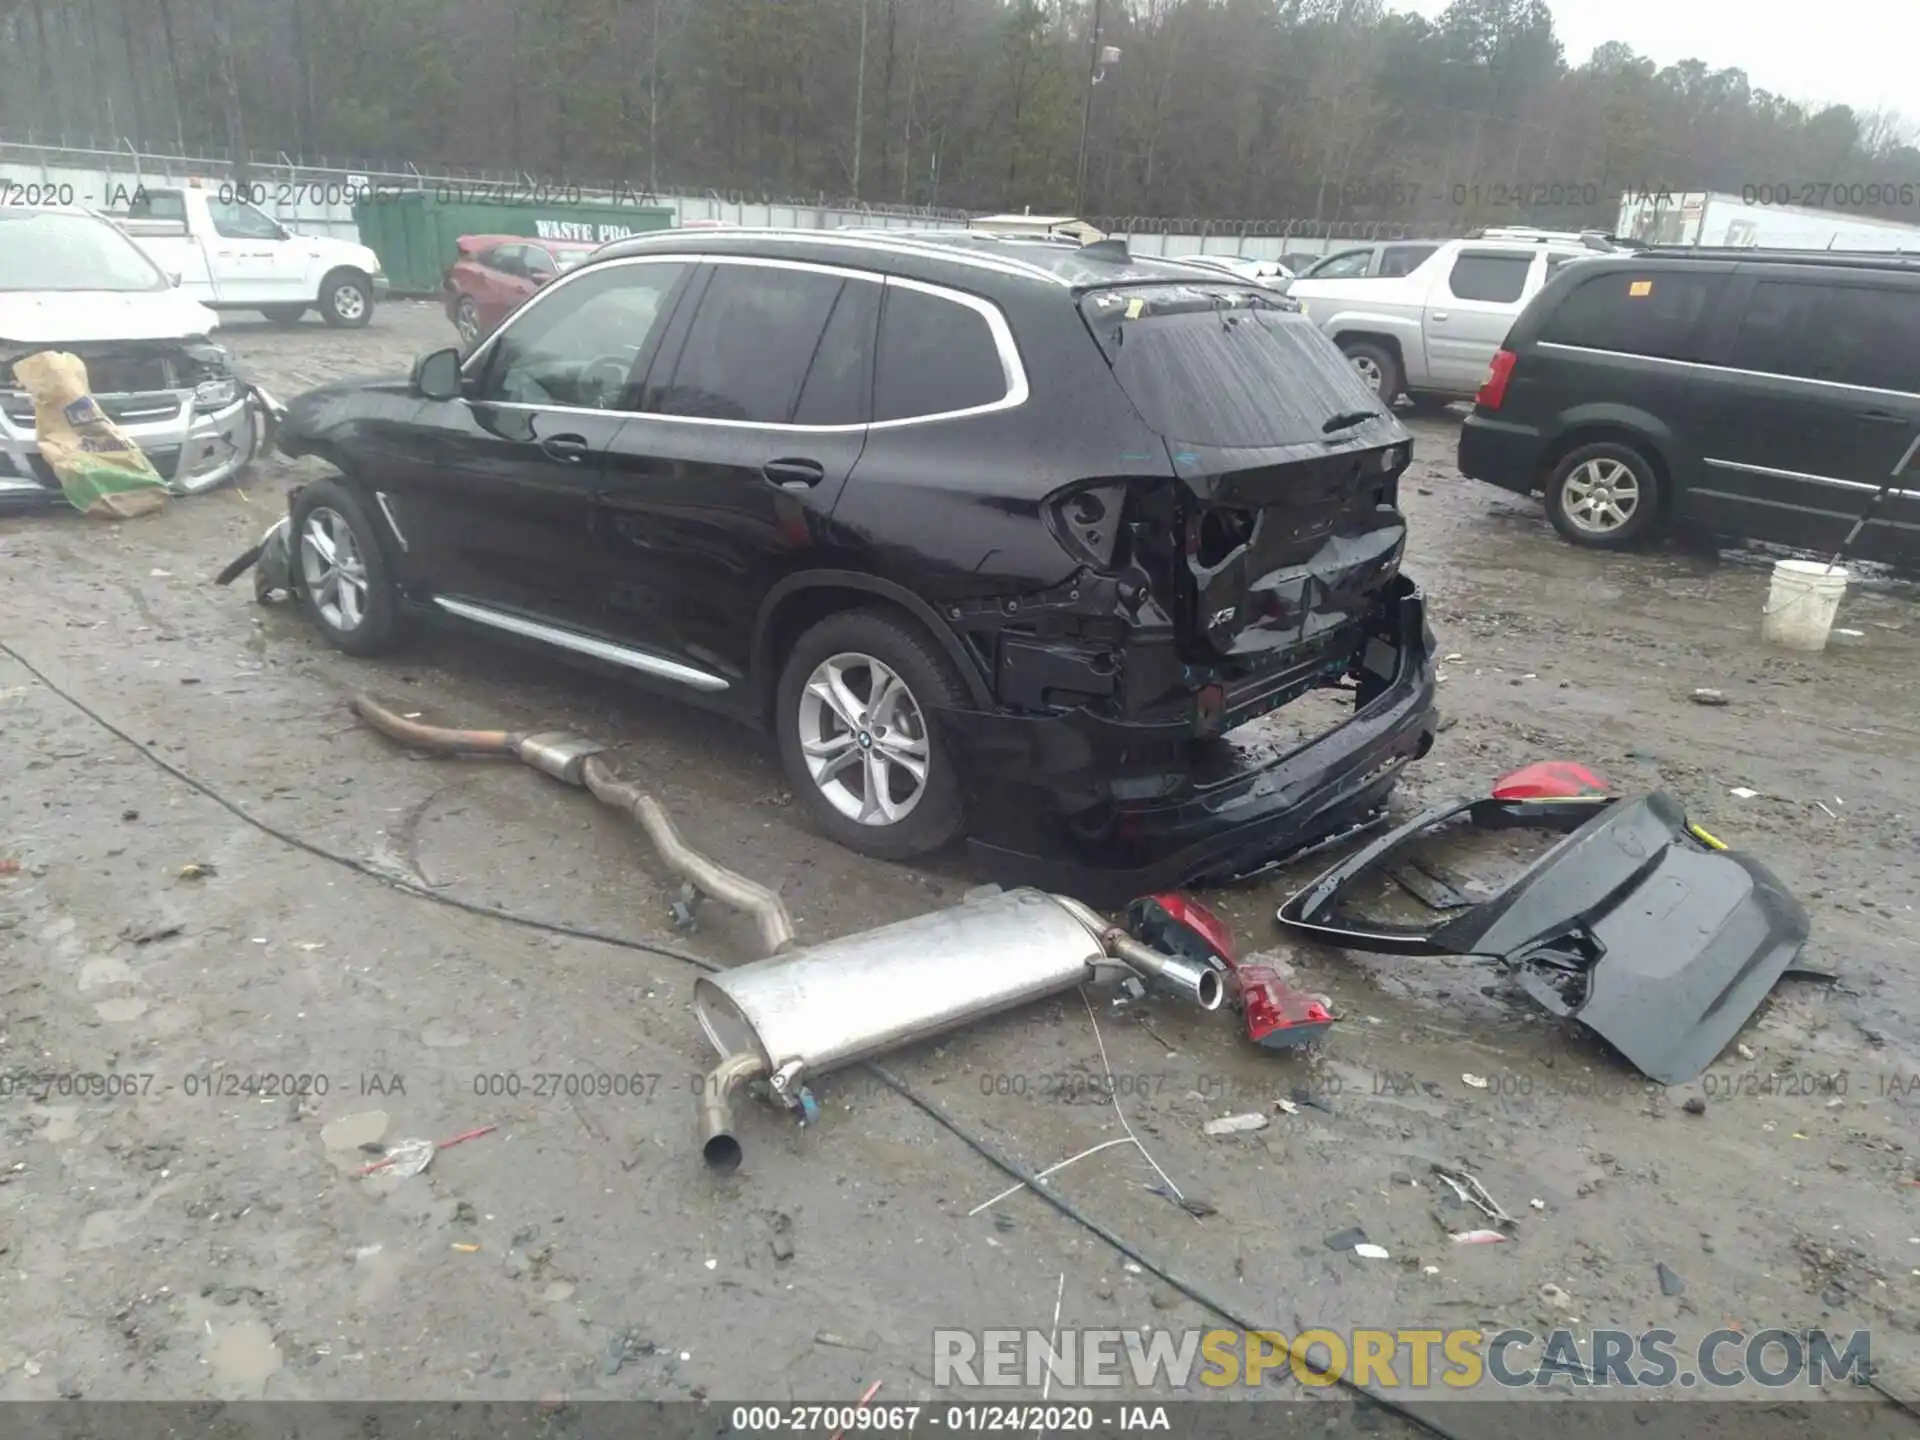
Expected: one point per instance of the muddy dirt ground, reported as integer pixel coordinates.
(206, 1235)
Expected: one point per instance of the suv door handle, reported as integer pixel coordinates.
(791, 473)
(567, 449)
(1439, 317)
(1883, 417)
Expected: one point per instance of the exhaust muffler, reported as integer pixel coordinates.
(795, 1017)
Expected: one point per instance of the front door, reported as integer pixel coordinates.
(756, 416)
(1815, 407)
(253, 261)
(1469, 311)
(495, 496)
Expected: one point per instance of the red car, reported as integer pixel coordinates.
(496, 272)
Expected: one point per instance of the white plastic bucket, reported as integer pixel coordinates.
(1802, 602)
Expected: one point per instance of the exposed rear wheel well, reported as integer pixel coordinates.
(1607, 434)
(1368, 337)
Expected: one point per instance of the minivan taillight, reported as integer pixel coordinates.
(1494, 392)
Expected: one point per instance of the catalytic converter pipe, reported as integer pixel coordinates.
(1192, 980)
(718, 1147)
(710, 877)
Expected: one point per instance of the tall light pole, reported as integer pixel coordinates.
(1097, 62)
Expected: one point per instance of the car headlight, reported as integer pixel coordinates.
(216, 394)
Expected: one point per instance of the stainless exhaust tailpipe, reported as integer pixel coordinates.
(1188, 978)
(717, 1145)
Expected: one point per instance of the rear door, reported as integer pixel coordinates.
(502, 283)
(493, 492)
(755, 417)
(1470, 309)
(1815, 407)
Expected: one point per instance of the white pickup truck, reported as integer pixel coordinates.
(234, 256)
(1431, 334)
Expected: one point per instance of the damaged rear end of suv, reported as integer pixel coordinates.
(1247, 555)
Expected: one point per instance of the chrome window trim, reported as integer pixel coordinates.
(881, 240)
(599, 649)
(1728, 370)
(1012, 368)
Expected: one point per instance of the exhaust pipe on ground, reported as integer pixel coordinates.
(577, 761)
(794, 1017)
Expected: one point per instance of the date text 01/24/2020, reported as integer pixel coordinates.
(979, 1418)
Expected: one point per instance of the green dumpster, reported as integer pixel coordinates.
(414, 231)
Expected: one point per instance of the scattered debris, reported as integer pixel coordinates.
(1556, 1297)
(463, 1247)
(1537, 1203)
(1472, 1192)
(410, 1157)
(1741, 792)
(1371, 1252)
(1286, 1107)
(1695, 1105)
(1235, 1124)
(195, 870)
(1744, 1050)
(1302, 1097)
(1670, 1283)
(1347, 1239)
(873, 1390)
(1477, 1237)
(1478, 1082)
(1709, 697)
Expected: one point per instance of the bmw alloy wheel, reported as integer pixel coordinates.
(1601, 495)
(333, 570)
(864, 739)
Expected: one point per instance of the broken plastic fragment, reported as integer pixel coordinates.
(1741, 792)
(1371, 1252)
(1478, 1082)
(1478, 1237)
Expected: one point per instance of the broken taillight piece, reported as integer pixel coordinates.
(1179, 926)
(1278, 1016)
(1494, 392)
(1550, 780)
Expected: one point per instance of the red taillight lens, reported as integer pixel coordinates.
(1550, 780)
(1180, 925)
(1494, 392)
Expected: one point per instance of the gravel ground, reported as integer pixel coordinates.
(206, 1236)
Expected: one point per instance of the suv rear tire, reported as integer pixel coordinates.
(1375, 365)
(836, 748)
(340, 572)
(1605, 495)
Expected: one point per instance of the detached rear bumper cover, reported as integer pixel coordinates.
(1659, 944)
(1153, 824)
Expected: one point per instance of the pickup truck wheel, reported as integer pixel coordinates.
(1605, 496)
(853, 712)
(346, 300)
(340, 572)
(1376, 365)
(284, 314)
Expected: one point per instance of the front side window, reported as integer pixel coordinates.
(577, 344)
(1405, 259)
(1660, 315)
(751, 344)
(1345, 266)
(237, 220)
(1866, 335)
(936, 356)
(1492, 276)
(537, 260)
(504, 258)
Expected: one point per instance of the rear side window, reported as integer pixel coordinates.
(1850, 334)
(751, 344)
(1493, 277)
(839, 387)
(937, 355)
(1661, 315)
(1210, 365)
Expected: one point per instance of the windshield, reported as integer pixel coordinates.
(59, 250)
(1225, 366)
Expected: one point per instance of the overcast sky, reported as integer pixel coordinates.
(1847, 52)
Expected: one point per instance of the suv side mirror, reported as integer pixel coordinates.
(436, 376)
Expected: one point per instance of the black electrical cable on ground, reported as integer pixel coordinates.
(928, 1107)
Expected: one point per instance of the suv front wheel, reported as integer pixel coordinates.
(853, 714)
(1605, 495)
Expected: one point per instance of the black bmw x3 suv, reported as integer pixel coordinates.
(996, 537)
